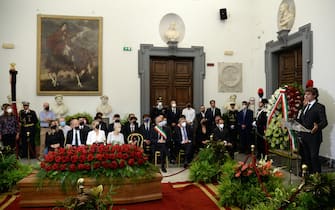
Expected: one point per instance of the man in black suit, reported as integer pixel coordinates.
(244, 121)
(159, 109)
(75, 137)
(260, 124)
(159, 137)
(84, 127)
(312, 117)
(211, 113)
(221, 133)
(173, 114)
(145, 129)
(183, 136)
(131, 126)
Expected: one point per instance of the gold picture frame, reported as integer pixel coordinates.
(69, 55)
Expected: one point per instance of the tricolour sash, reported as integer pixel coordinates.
(160, 131)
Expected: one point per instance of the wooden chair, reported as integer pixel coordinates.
(181, 153)
(136, 137)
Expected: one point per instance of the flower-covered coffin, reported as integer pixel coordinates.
(125, 168)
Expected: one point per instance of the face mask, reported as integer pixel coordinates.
(188, 106)
(53, 127)
(81, 123)
(244, 106)
(146, 119)
(160, 106)
(221, 125)
(62, 124)
(47, 108)
(77, 127)
(173, 105)
(163, 123)
(9, 110)
(97, 126)
(183, 124)
(117, 121)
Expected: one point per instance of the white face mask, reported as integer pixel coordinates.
(183, 124)
(160, 105)
(244, 106)
(221, 125)
(163, 123)
(9, 110)
(173, 105)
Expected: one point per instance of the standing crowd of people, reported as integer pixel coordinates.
(167, 129)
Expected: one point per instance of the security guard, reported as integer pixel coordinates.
(28, 120)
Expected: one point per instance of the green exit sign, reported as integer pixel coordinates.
(126, 48)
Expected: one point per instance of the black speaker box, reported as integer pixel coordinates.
(223, 14)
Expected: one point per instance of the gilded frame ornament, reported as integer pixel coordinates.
(69, 55)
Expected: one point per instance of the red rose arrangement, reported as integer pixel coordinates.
(88, 158)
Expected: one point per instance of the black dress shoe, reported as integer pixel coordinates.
(164, 170)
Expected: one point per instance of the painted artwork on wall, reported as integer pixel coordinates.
(69, 55)
(230, 77)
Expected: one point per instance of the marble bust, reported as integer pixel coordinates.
(172, 34)
(104, 107)
(60, 109)
(286, 15)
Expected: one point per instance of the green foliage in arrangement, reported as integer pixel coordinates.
(240, 185)
(11, 169)
(317, 193)
(77, 115)
(206, 166)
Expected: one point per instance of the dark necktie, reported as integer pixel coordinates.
(76, 138)
(306, 109)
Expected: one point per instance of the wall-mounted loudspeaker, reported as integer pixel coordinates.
(223, 14)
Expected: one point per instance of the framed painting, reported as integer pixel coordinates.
(69, 55)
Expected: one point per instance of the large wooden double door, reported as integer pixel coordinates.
(290, 66)
(172, 79)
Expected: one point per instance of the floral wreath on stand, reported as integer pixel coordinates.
(284, 104)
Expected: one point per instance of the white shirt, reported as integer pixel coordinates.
(94, 137)
(76, 133)
(113, 138)
(189, 114)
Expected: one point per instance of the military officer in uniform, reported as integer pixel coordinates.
(28, 120)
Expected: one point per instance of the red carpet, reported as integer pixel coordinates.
(176, 196)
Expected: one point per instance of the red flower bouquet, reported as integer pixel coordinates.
(96, 161)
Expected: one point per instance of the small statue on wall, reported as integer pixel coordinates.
(60, 109)
(104, 107)
(286, 15)
(172, 34)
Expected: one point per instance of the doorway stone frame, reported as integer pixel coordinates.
(199, 71)
(304, 37)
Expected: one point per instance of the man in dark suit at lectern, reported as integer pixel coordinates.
(313, 117)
